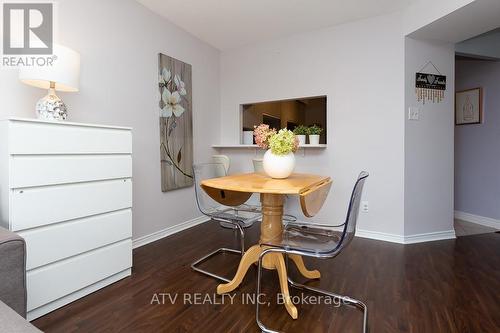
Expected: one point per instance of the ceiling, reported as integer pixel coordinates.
(483, 47)
(471, 20)
(228, 24)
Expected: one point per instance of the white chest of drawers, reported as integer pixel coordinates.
(67, 189)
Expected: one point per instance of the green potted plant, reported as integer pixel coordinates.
(301, 131)
(314, 132)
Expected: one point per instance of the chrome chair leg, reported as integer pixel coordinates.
(263, 328)
(289, 218)
(345, 299)
(221, 250)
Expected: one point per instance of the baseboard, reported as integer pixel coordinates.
(430, 236)
(138, 242)
(409, 239)
(382, 236)
(393, 238)
(482, 220)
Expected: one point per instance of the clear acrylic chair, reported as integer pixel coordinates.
(318, 241)
(238, 217)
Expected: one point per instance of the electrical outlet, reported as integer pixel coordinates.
(364, 206)
(413, 113)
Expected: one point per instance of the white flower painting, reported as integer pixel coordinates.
(176, 134)
(172, 104)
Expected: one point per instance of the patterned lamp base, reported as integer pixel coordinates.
(51, 107)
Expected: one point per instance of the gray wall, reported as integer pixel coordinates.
(364, 114)
(119, 41)
(477, 147)
(429, 143)
(485, 45)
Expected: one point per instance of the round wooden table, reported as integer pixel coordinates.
(235, 189)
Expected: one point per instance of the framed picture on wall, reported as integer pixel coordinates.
(469, 106)
(176, 123)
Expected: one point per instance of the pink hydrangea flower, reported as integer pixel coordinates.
(262, 134)
(295, 144)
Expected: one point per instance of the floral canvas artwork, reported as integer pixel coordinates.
(176, 123)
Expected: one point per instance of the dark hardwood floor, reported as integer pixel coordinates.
(442, 286)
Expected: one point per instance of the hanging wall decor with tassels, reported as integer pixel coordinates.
(429, 86)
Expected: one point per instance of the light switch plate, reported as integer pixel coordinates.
(413, 113)
(364, 206)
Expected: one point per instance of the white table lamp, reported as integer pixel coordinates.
(63, 75)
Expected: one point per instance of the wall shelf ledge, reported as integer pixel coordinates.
(242, 146)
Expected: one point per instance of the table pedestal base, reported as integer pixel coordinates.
(270, 261)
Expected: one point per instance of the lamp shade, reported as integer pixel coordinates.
(64, 72)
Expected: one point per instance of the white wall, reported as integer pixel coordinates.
(119, 41)
(359, 67)
(429, 143)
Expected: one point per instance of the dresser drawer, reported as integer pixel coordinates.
(56, 242)
(33, 207)
(56, 138)
(38, 170)
(49, 283)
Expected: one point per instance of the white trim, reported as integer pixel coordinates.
(138, 242)
(409, 239)
(393, 238)
(482, 220)
(382, 236)
(320, 145)
(430, 236)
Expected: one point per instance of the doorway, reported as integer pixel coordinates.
(477, 134)
(430, 124)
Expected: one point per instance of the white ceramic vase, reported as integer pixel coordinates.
(302, 139)
(278, 166)
(314, 139)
